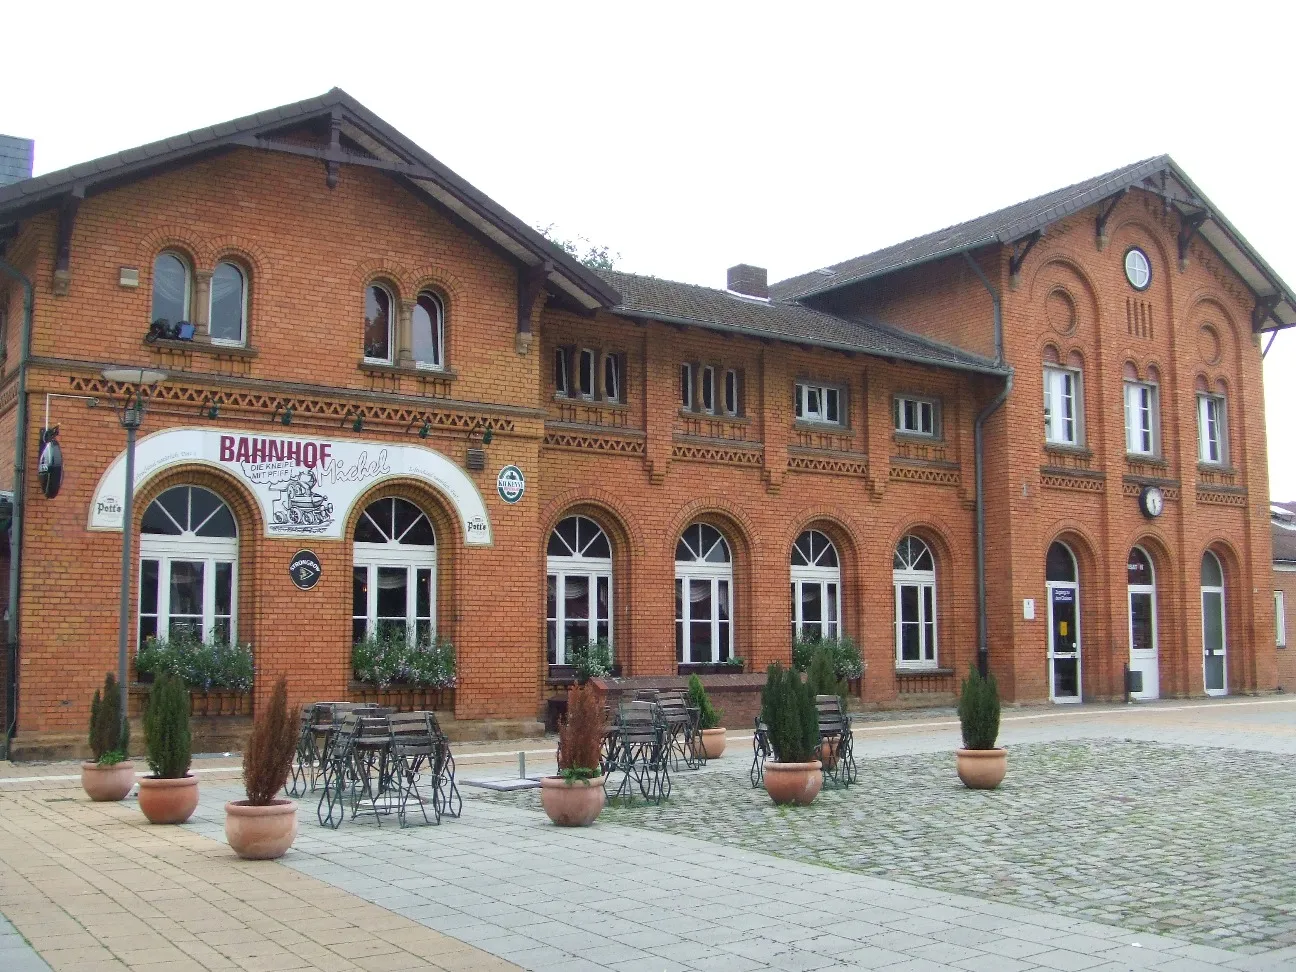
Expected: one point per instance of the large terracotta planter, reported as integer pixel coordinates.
(106, 783)
(574, 804)
(713, 743)
(260, 833)
(982, 769)
(793, 783)
(168, 801)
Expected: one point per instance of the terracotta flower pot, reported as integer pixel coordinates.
(982, 769)
(794, 783)
(105, 783)
(574, 804)
(168, 801)
(261, 833)
(713, 742)
(828, 753)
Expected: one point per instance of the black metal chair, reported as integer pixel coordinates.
(371, 765)
(641, 752)
(445, 791)
(331, 809)
(761, 751)
(306, 759)
(413, 748)
(836, 741)
(681, 724)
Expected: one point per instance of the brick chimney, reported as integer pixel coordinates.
(749, 280)
(15, 159)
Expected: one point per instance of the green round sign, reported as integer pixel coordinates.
(511, 484)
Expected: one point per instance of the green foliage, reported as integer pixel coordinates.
(847, 661)
(788, 710)
(593, 255)
(386, 658)
(202, 665)
(978, 710)
(590, 659)
(270, 750)
(166, 728)
(708, 715)
(821, 677)
(109, 735)
(580, 737)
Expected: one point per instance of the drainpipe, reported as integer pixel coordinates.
(19, 489)
(983, 625)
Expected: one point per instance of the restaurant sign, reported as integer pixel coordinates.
(305, 487)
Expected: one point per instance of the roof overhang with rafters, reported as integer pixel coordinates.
(356, 137)
(1018, 225)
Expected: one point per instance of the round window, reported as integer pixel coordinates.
(1138, 271)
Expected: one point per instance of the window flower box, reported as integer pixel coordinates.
(735, 667)
(404, 698)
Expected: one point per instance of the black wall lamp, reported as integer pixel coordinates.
(210, 408)
(424, 430)
(286, 418)
(357, 425)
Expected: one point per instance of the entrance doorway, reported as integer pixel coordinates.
(1143, 623)
(1063, 624)
(1214, 639)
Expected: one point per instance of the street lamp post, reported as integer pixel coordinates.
(131, 416)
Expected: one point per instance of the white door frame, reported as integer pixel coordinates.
(1147, 661)
(1210, 589)
(1074, 587)
(409, 557)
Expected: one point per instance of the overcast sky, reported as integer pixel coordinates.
(688, 137)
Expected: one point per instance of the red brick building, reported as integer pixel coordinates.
(481, 438)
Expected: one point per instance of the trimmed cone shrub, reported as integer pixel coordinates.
(978, 710)
(708, 715)
(271, 748)
(109, 735)
(788, 710)
(580, 737)
(166, 728)
(822, 673)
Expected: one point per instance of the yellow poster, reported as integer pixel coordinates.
(1062, 628)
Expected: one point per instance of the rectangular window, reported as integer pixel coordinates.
(1211, 430)
(686, 387)
(708, 390)
(562, 384)
(731, 392)
(915, 416)
(1062, 406)
(586, 373)
(818, 403)
(1140, 418)
(612, 378)
(1280, 617)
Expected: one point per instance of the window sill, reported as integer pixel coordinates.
(1142, 459)
(810, 425)
(589, 400)
(709, 668)
(903, 670)
(714, 416)
(560, 675)
(918, 438)
(1218, 468)
(203, 347)
(379, 368)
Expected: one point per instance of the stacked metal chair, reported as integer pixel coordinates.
(836, 741)
(761, 751)
(445, 792)
(413, 748)
(682, 723)
(640, 752)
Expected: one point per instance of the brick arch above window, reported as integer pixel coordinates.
(180, 239)
(1057, 272)
(730, 520)
(240, 250)
(598, 505)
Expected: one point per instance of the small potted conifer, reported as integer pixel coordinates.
(263, 826)
(794, 776)
(821, 678)
(574, 798)
(170, 794)
(713, 734)
(110, 774)
(981, 765)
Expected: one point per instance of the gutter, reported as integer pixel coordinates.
(983, 625)
(19, 491)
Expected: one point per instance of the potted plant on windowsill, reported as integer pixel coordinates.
(574, 798)
(794, 776)
(981, 765)
(713, 734)
(170, 794)
(263, 827)
(110, 774)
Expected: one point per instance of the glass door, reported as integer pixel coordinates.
(1213, 641)
(1064, 642)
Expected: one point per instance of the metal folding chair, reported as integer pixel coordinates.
(412, 749)
(761, 751)
(681, 725)
(836, 742)
(331, 809)
(445, 791)
(641, 752)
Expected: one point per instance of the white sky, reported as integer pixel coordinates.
(688, 137)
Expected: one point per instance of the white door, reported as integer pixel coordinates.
(1064, 641)
(1143, 623)
(1214, 636)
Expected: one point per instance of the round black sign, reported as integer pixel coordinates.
(304, 569)
(50, 468)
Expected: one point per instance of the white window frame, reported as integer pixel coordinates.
(562, 373)
(900, 413)
(1212, 452)
(612, 371)
(686, 387)
(811, 403)
(586, 355)
(438, 332)
(924, 581)
(392, 310)
(714, 574)
(593, 570)
(243, 308)
(1063, 406)
(731, 404)
(1280, 618)
(394, 554)
(708, 390)
(1142, 419)
(188, 285)
(828, 580)
(1145, 269)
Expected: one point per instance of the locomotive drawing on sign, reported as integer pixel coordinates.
(298, 505)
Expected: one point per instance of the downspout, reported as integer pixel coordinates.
(19, 489)
(983, 625)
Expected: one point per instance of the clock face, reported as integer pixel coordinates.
(1153, 501)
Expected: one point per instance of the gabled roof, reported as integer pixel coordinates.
(1160, 175)
(651, 298)
(376, 144)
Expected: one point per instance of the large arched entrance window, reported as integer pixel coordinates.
(816, 587)
(1063, 586)
(1141, 583)
(579, 600)
(914, 576)
(1214, 638)
(393, 587)
(188, 566)
(703, 596)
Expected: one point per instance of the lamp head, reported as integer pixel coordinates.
(487, 436)
(424, 430)
(134, 376)
(286, 418)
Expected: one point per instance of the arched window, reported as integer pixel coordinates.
(579, 602)
(1214, 636)
(703, 596)
(393, 586)
(816, 587)
(228, 319)
(1059, 564)
(380, 310)
(914, 576)
(171, 288)
(429, 331)
(188, 566)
